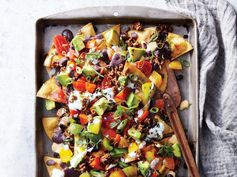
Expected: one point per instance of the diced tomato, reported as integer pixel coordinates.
(160, 103)
(159, 164)
(106, 83)
(145, 67)
(61, 44)
(90, 87)
(83, 119)
(74, 113)
(96, 164)
(59, 96)
(169, 163)
(154, 174)
(122, 95)
(143, 116)
(91, 44)
(117, 138)
(110, 133)
(79, 85)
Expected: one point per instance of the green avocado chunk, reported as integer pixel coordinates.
(135, 134)
(107, 145)
(49, 105)
(64, 79)
(78, 43)
(95, 126)
(100, 106)
(176, 150)
(135, 53)
(111, 37)
(143, 167)
(88, 70)
(133, 101)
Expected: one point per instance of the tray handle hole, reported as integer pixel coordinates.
(116, 13)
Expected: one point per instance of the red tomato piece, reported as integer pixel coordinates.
(160, 103)
(59, 96)
(110, 133)
(61, 44)
(83, 119)
(79, 85)
(145, 67)
(169, 163)
(106, 83)
(117, 138)
(74, 113)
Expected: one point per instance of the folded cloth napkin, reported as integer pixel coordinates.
(216, 21)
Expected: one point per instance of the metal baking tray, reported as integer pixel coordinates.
(103, 18)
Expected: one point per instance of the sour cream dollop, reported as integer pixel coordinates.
(57, 173)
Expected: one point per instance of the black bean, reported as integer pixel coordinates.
(179, 77)
(185, 36)
(155, 66)
(63, 165)
(67, 34)
(124, 29)
(56, 155)
(134, 36)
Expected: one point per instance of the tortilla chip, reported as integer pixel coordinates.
(179, 46)
(49, 124)
(144, 35)
(167, 128)
(47, 89)
(88, 30)
(51, 167)
(116, 28)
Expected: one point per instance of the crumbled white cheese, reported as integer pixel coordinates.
(57, 173)
(75, 100)
(57, 147)
(108, 93)
(140, 112)
(142, 145)
(156, 131)
(132, 154)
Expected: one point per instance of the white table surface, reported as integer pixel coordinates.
(17, 44)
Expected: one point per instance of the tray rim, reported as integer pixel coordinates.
(65, 16)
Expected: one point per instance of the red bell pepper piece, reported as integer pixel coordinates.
(145, 67)
(90, 87)
(143, 116)
(61, 44)
(117, 138)
(73, 113)
(79, 85)
(96, 164)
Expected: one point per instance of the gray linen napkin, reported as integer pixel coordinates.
(216, 21)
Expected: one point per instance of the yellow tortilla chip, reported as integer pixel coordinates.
(179, 46)
(167, 128)
(144, 35)
(49, 124)
(47, 89)
(88, 30)
(116, 28)
(51, 167)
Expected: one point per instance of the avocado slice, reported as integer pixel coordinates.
(135, 134)
(130, 171)
(111, 37)
(75, 129)
(176, 150)
(78, 43)
(88, 70)
(143, 167)
(135, 53)
(100, 106)
(95, 126)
